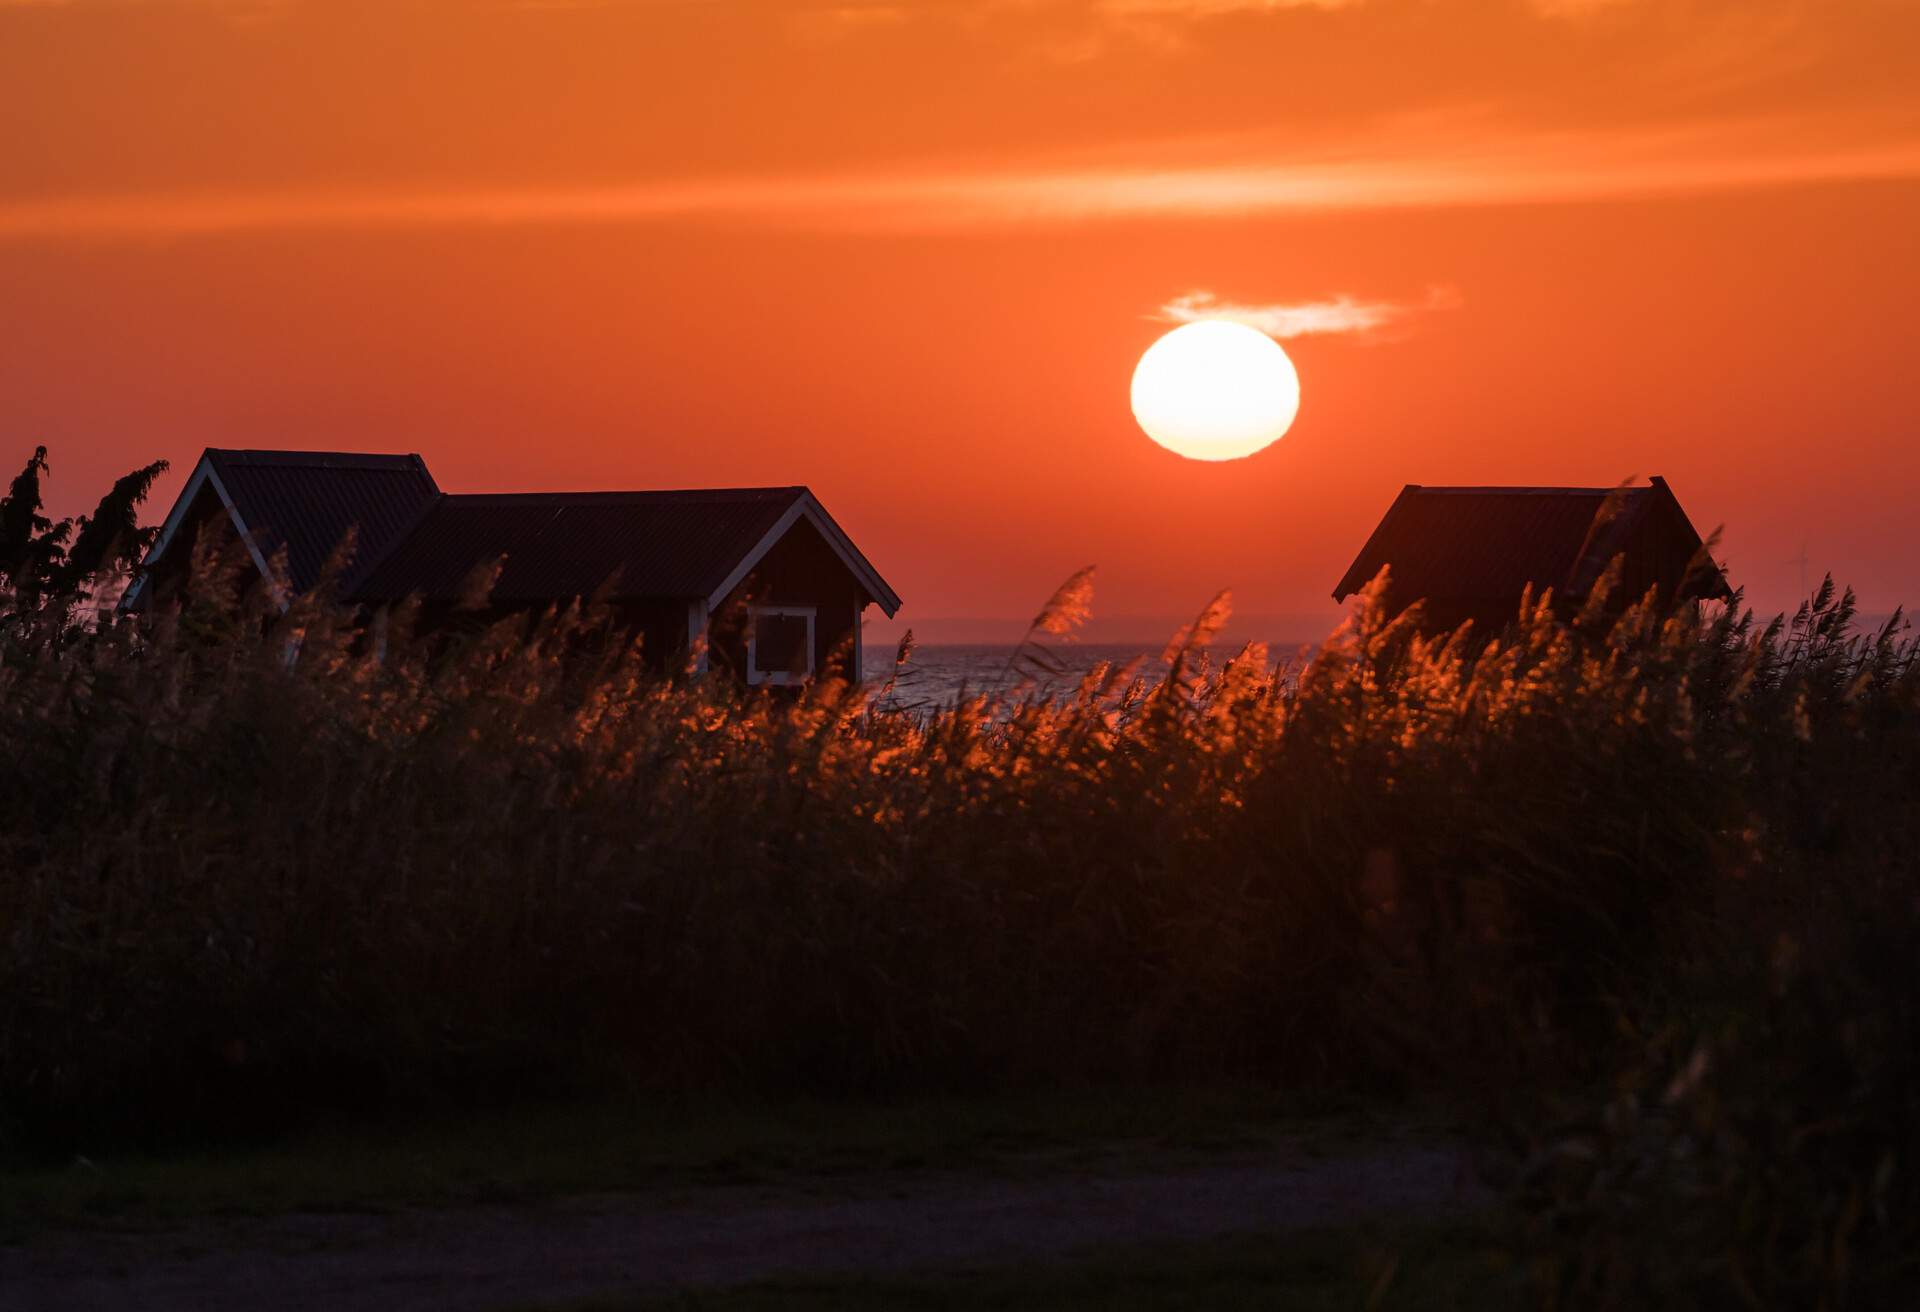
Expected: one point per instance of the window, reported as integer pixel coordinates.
(779, 644)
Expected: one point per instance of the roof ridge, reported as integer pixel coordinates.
(1523, 489)
(278, 456)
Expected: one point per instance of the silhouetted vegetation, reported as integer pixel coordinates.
(49, 569)
(1643, 888)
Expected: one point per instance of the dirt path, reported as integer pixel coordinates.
(505, 1257)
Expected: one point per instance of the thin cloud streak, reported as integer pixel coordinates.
(1341, 314)
(1211, 8)
(1532, 170)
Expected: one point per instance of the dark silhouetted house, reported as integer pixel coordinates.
(1470, 552)
(759, 579)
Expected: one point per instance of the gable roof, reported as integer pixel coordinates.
(695, 544)
(304, 502)
(567, 544)
(1487, 544)
(413, 539)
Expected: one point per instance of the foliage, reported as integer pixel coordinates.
(31, 545)
(111, 538)
(37, 563)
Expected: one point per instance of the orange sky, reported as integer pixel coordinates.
(909, 253)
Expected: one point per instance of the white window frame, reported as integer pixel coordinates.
(757, 677)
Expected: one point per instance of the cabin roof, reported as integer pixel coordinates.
(570, 544)
(1487, 544)
(304, 502)
(414, 540)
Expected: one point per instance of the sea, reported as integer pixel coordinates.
(941, 674)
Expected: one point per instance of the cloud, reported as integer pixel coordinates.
(1215, 8)
(243, 5)
(1338, 314)
(1210, 180)
(1577, 8)
(1171, 11)
(1211, 8)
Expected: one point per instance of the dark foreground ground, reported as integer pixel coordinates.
(1137, 1202)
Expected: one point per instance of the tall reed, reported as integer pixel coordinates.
(258, 866)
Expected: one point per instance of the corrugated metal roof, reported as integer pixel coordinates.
(568, 544)
(1487, 544)
(306, 501)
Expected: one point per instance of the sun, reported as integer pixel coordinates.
(1215, 390)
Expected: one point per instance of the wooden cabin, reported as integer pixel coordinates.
(758, 581)
(1470, 553)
